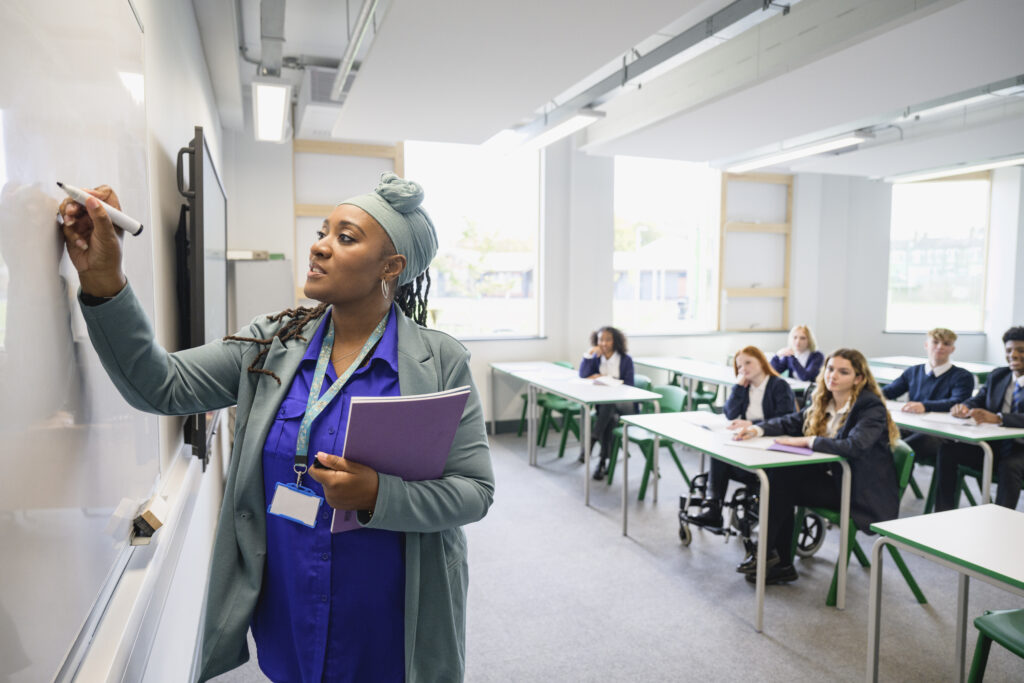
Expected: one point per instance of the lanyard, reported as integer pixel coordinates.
(315, 404)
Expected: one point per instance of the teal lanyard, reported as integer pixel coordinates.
(315, 404)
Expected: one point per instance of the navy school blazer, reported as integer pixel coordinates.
(592, 366)
(778, 400)
(863, 441)
(990, 397)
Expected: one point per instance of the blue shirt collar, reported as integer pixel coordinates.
(386, 351)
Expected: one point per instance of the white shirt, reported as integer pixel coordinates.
(609, 367)
(938, 371)
(835, 419)
(802, 357)
(755, 410)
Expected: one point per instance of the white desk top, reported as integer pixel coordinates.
(566, 382)
(884, 374)
(531, 366)
(985, 538)
(973, 367)
(705, 432)
(704, 371)
(944, 424)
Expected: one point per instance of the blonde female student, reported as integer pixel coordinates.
(759, 394)
(845, 416)
(800, 358)
(386, 601)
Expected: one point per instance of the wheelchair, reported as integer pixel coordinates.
(742, 508)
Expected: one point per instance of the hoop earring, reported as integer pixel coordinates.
(384, 287)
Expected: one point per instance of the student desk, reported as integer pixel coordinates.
(948, 427)
(516, 368)
(687, 429)
(565, 382)
(701, 371)
(974, 541)
(979, 370)
(885, 374)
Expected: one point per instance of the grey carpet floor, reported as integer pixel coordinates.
(558, 594)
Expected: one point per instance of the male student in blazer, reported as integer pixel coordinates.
(1000, 401)
(932, 387)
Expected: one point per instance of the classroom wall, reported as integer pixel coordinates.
(178, 97)
(1005, 284)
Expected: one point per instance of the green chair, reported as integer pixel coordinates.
(903, 457)
(671, 401)
(555, 407)
(642, 382)
(1005, 627)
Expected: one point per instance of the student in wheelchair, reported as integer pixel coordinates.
(759, 394)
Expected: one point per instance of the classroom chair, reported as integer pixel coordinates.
(903, 457)
(1005, 627)
(642, 382)
(671, 401)
(962, 472)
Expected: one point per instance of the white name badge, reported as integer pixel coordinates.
(296, 503)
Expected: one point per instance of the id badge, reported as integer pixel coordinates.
(296, 503)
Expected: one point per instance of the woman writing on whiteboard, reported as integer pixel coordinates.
(845, 416)
(385, 602)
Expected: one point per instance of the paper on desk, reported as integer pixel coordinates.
(607, 381)
(759, 443)
(705, 418)
(948, 419)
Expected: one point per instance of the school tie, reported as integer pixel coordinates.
(1018, 398)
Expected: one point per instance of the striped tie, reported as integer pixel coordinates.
(1018, 398)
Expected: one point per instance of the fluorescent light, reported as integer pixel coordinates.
(955, 170)
(574, 123)
(504, 141)
(271, 101)
(948, 106)
(798, 153)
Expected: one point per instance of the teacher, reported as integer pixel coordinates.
(387, 601)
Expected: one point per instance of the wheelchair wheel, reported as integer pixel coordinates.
(685, 535)
(744, 511)
(811, 536)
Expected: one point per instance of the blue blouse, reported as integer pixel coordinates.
(331, 606)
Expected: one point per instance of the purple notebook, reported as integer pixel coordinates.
(799, 450)
(407, 436)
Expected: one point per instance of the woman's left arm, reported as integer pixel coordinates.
(626, 370)
(463, 493)
(869, 425)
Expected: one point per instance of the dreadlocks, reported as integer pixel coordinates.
(412, 298)
(290, 330)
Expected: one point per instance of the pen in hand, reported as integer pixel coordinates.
(118, 218)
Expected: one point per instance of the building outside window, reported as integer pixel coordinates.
(486, 208)
(665, 261)
(937, 250)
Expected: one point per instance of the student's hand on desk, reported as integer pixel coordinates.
(798, 441)
(913, 407)
(347, 485)
(959, 410)
(739, 424)
(744, 434)
(93, 243)
(982, 416)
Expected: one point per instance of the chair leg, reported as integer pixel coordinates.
(798, 524)
(980, 660)
(929, 503)
(522, 418)
(907, 576)
(967, 492)
(542, 427)
(679, 464)
(834, 588)
(613, 458)
(648, 468)
(859, 552)
(915, 488)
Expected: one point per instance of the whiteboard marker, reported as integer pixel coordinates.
(121, 220)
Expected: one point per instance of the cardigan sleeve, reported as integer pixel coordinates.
(589, 365)
(736, 404)
(626, 371)
(899, 386)
(779, 364)
(465, 490)
(810, 371)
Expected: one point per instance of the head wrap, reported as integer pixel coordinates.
(395, 204)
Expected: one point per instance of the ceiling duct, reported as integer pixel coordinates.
(271, 37)
(315, 111)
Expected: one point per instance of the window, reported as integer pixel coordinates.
(666, 246)
(486, 208)
(937, 255)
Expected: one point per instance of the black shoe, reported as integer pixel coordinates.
(780, 573)
(710, 516)
(749, 564)
(582, 459)
(600, 471)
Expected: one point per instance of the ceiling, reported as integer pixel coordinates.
(461, 71)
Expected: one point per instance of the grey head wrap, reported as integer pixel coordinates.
(395, 204)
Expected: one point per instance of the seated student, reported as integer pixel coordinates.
(935, 386)
(607, 357)
(801, 358)
(759, 394)
(846, 415)
(1000, 401)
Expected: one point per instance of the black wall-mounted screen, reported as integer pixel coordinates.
(202, 267)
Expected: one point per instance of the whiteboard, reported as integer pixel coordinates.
(71, 109)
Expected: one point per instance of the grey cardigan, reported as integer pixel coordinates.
(430, 513)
